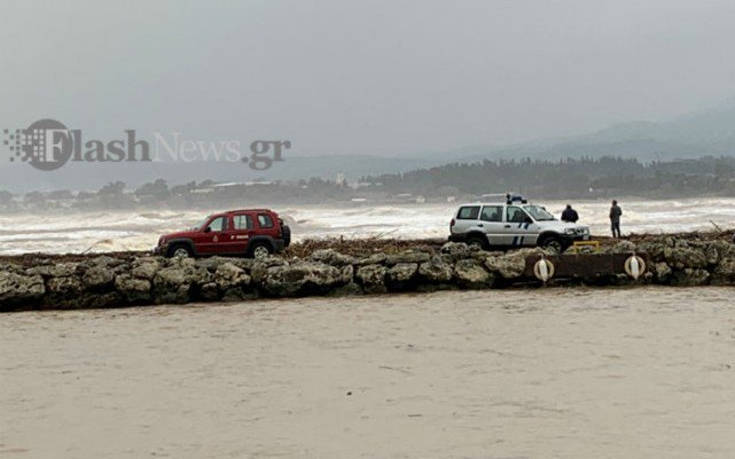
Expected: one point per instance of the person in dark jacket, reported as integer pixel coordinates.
(569, 215)
(615, 213)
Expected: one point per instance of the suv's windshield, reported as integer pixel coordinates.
(539, 213)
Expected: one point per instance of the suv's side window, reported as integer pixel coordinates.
(265, 221)
(492, 213)
(218, 224)
(516, 215)
(242, 222)
(468, 213)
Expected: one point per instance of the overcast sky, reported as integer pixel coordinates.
(362, 77)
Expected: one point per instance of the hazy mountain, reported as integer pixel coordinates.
(710, 132)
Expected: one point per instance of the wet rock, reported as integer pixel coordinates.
(239, 294)
(401, 275)
(623, 247)
(133, 289)
(690, 277)
(372, 278)
(662, 272)
(350, 289)
(684, 257)
(724, 272)
(55, 270)
(229, 276)
(174, 283)
(17, 288)
(470, 273)
(435, 270)
(98, 277)
(374, 259)
(145, 268)
(456, 249)
(67, 285)
(407, 256)
(209, 292)
(331, 257)
(260, 267)
(212, 263)
(302, 278)
(509, 266)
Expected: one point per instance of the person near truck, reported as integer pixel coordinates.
(615, 213)
(569, 215)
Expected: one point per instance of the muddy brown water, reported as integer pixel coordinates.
(580, 373)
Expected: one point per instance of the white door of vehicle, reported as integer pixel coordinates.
(467, 220)
(519, 229)
(491, 222)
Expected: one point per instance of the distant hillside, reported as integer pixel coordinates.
(705, 133)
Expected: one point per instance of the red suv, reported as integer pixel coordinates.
(252, 232)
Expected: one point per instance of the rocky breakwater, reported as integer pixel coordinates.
(104, 281)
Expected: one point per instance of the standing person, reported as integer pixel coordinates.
(569, 215)
(615, 213)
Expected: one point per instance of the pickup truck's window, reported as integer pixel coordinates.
(492, 213)
(265, 221)
(468, 213)
(218, 224)
(242, 222)
(516, 215)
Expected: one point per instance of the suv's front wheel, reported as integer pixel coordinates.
(179, 250)
(553, 243)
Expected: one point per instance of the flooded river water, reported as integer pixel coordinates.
(578, 373)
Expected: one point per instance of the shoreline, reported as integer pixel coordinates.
(349, 267)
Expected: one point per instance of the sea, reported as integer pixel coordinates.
(111, 230)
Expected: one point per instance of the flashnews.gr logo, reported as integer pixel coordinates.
(47, 145)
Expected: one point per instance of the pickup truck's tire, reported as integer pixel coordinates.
(479, 241)
(552, 242)
(179, 250)
(259, 249)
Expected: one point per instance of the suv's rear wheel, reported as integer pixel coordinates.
(478, 241)
(552, 243)
(179, 250)
(260, 249)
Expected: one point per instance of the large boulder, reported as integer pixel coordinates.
(662, 272)
(372, 278)
(407, 256)
(98, 277)
(55, 269)
(682, 257)
(229, 276)
(401, 275)
(508, 266)
(435, 270)
(133, 289)
(174, 283)
(145, 268)
(19, 288)
(374, 259)
(331, 257)
(724, 272)
(470, 274)
(690, 277)
(303, 278)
